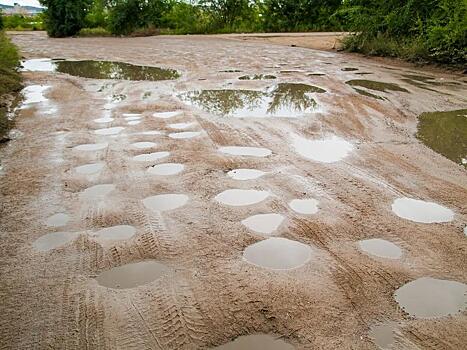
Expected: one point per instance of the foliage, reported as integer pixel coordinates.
(20, 22)
(1, 20)
(64, 17)
(94, 32)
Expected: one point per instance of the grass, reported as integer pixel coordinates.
(94, 32)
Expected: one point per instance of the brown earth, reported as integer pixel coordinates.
(52, 300)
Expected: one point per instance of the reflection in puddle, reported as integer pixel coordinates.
(114, 233)
(91, 147)
(53, 240)
(256, 342)
(167, 115)
(327, 150)
(109, 131)
(89, 169)
(57, 220)
(368, 94)
(143, 145)
(245, 174)
(288, 100)
(184, 135)
(257, 77)
(246, 151)
(237, 197)
(278, 254)
(349, 69)
(304, 206)
(428, 297)
(380, 248)
(264, 223)
(151, 157)
(445, 133)
(383, 334)
(180, 126)
(97, 191)
(421, 211)
(38, 65)
(34, 94)
(164, 202)
(376, 85)
(166, 169)
(133, 275)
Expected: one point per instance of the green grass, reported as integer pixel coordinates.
(94, 32)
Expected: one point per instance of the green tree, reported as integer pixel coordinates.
(65, 18)
(1, 20)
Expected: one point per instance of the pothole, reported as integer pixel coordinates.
(133, 275)
(421, 211)
(383, 334)
(167, 115)
(53, 240)
(91, 147)
(109, 131)
(57, 220)
(97, 191)
(90, 169)
(115, 233)
(380, 248)
(245, 151)
(264, 223)
(256, 342)
(428, 297)
(164, 202)
(34, 94)
(181, 126)
(238, 197)
(151, 157)
(166, 169)
(328, 150)
(258, 77)
(143, 145)
(278, 253)
(184, 135)
(376, 85)
(304, 206)
(245, 174)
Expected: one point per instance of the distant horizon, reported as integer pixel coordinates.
(34, 3)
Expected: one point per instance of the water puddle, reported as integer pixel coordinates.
(134, 122)
(133, 275)
(167, 115)
(421, 211)
(115, 233)
(184, 135)
(376, 85)
(53, 240)
(34, 94)
(104, 120)
(304, 206)
(264, 223)
(57, 220)
(109, 131)
(164, 202)
(151, 157)
(328, 150)
(380, 248)
(181, 126)
(97, 191)
(89, 169)
(151, 132)
(288, 100)
(130, 119)
(383, 334)
(445, 133)
(349, 69)
(258, 77)
(101, 69)
(428, 297)
(245, 174)
(316, 74)
(237, 197)
(246, 151)
(166, 169)
(368, 94)
(91, 147)
(143, 145)
(131, 115)
(256, 342)
(278, 253)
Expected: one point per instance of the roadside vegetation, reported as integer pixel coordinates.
(20, 22)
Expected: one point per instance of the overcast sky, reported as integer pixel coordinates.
(21, 2)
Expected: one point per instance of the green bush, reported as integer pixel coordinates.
(19, 22)
(94, 32)
(65, 18)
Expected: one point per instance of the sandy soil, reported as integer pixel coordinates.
(52, 299)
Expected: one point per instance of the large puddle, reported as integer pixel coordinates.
(34, 94)
(115, 233)
(288, 100)
(167, 115)
(184, 135)
(383, 334)
(245, 174)
(380, 248)
(97, 191)
(166, 169)
(89, 147)
(246, 151)
(328, 150)
(375, 85)
(421, 211)
(181, 126)
(53, 240)
(238, 197)
(109, 131)
(151, 157)
(100, 69)
(278, 253)
(304, 206)
(143, 145)
(264, 223)
(133, 275)
(89, 169)
(445, 133)
(164, 202)
(256, 342)
(57, 220)
(428, 297)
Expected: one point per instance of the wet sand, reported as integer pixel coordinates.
(331, 294)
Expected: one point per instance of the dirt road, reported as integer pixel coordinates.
(331, 299)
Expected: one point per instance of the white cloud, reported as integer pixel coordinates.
(21, 2)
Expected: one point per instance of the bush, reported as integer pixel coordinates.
(94, 32)
(65, 18)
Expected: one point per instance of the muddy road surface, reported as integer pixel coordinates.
(292, 208)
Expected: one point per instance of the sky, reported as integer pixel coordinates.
(21, 2)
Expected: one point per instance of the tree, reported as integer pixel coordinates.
(1, 20)
(65, 18)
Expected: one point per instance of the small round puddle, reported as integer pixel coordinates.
(151, 132)
(143, 145)
(238, 197)
(428, 297)
(184, 135)
(328, 150)
(134, 122)
(89, 169)
(130, 116)
(57, 220)
(304, 206)
(278, 253)
(151, 157)
(380, 248)
(167, 115)
(246, 151)
(256, 342)
(181, 126)
(164, 202)
(119, 232)
(245, 174)
(264, 223)
(383, 334)
(53, 240)
(91, 147)
(133, 275)
(109, 131)
(104, 120)
(166, 169)
(97, 191)
(421, 211)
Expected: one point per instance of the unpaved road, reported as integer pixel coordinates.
(52, 299)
